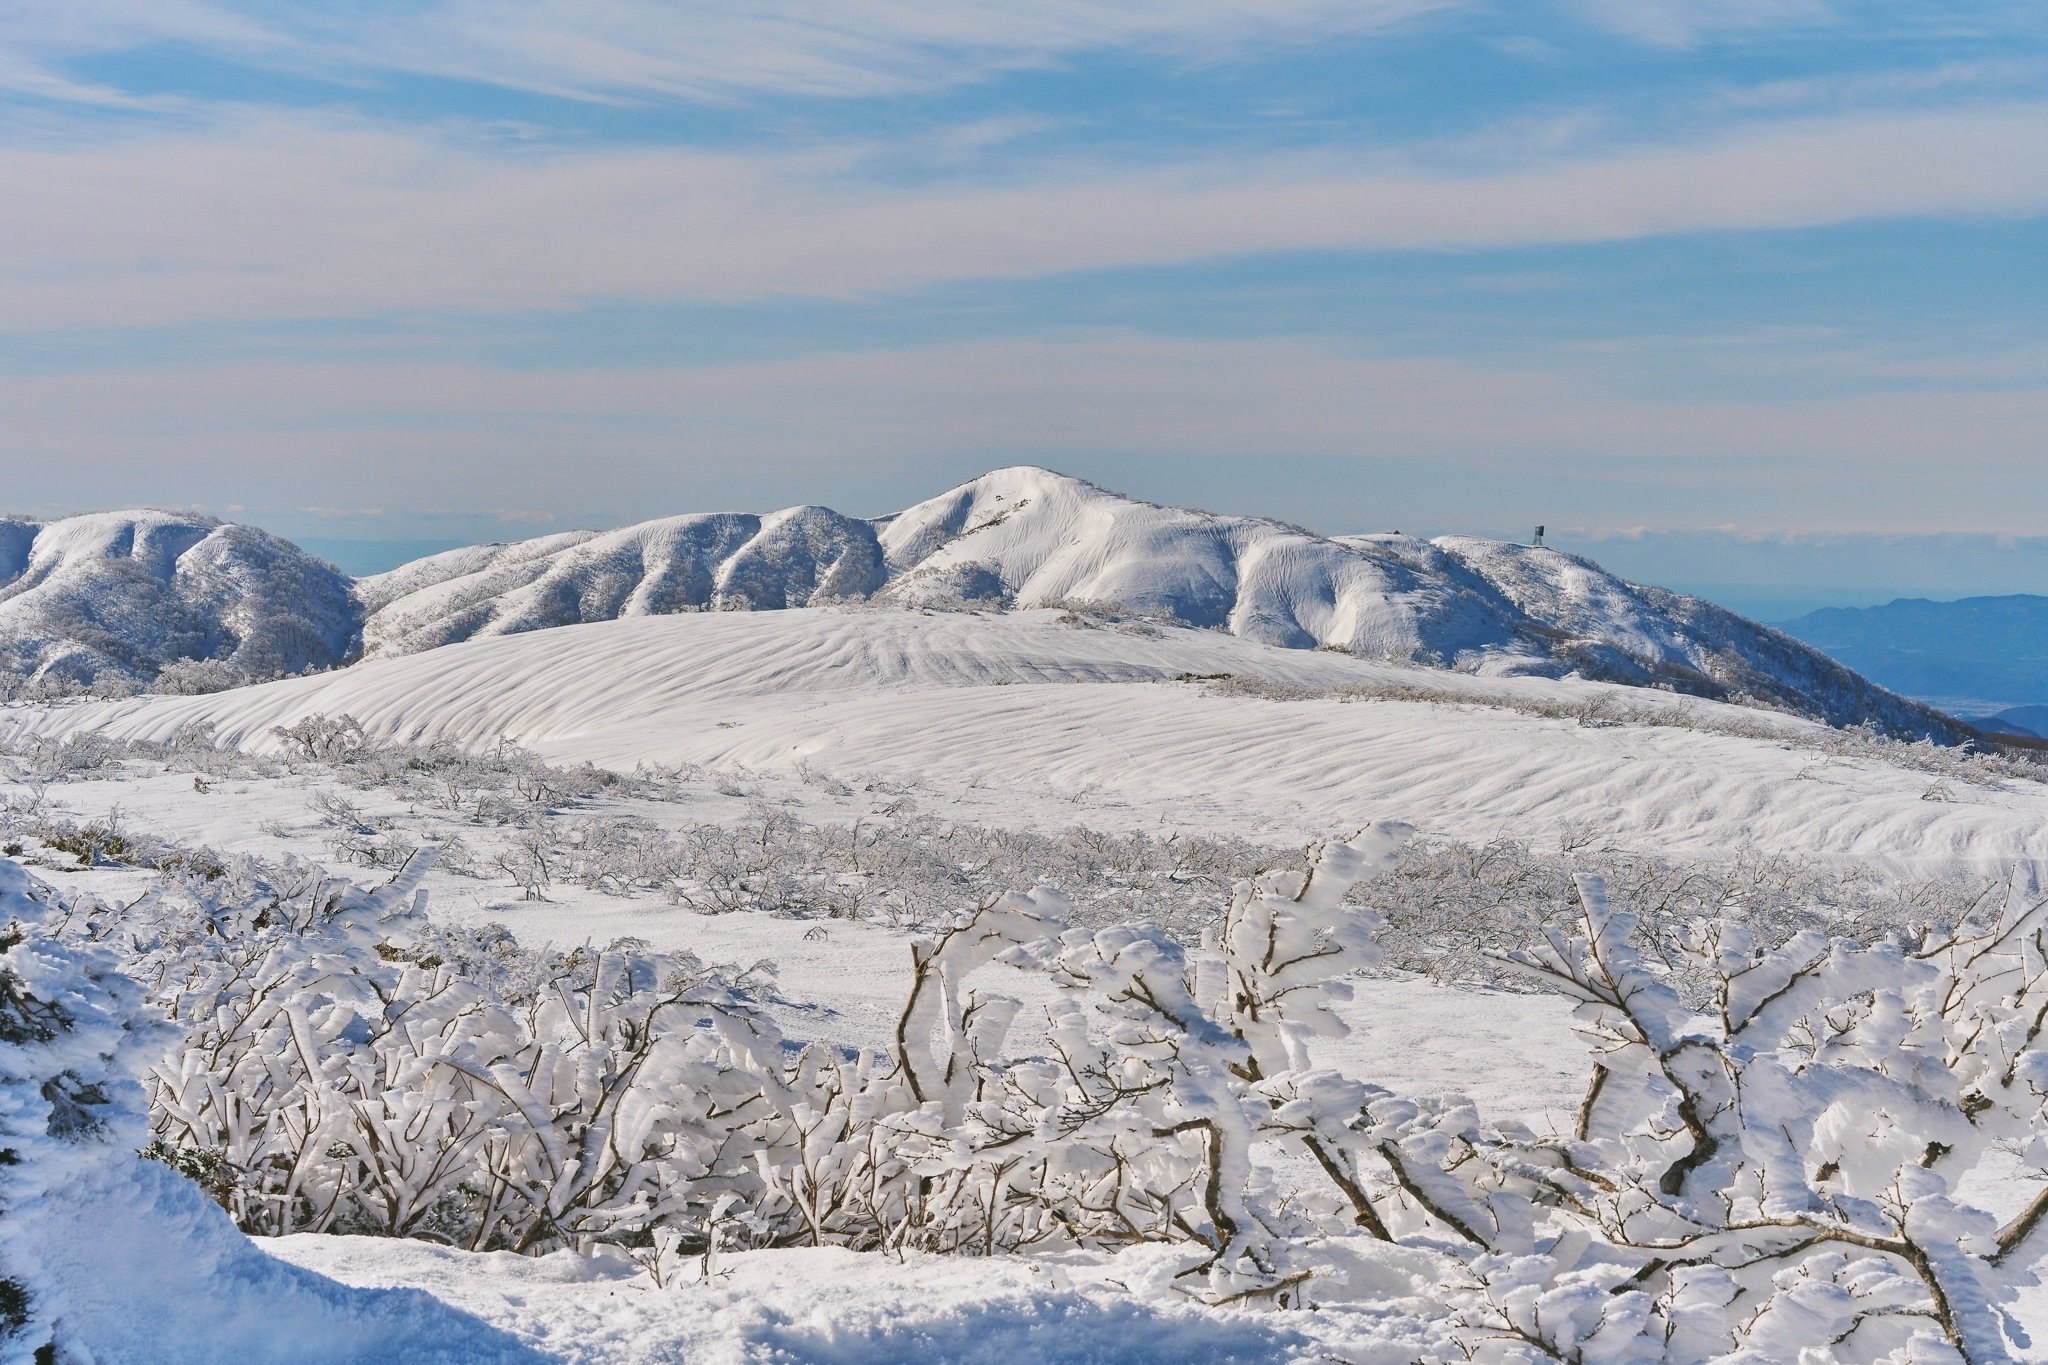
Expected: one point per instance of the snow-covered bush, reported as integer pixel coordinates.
(338, 1072)
(345, 1067)
(1779, 1168)
(1452, 906)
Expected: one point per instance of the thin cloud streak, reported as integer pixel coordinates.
(319, 220)
(843, 48)
(1686, 23)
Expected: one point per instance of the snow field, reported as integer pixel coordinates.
(1034, 722)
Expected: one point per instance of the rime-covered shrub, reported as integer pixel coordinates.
(1778, 1167)
(1771, 1155)
(344, 1069)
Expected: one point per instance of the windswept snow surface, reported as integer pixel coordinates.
(861, 1308)
(1053, 722)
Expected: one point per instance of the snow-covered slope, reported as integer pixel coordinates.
(1601, 626)
(1025, 716)
(119, 596)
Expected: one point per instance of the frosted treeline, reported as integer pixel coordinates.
(1770, 1160)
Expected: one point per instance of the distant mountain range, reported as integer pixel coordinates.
(2027, 722)
(182, 603)
(1977, 657)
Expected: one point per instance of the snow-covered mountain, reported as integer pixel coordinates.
(149, 597)
(1027, 537)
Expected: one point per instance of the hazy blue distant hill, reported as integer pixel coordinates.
(2030, 721)
(1974, 656)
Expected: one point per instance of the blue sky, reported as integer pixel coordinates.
(1757, 271)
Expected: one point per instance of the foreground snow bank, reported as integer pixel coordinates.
(832, 1304)
(141, 1268)
(107, 1258)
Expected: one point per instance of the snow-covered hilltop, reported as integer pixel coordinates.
(1027, 537)
(721, 561)
(1015, 538)
(183, 602)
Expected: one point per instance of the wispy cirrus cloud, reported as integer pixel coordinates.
(722, 51)
(1888, 85)
(310, 219)
(1683, 23)
(647, 49)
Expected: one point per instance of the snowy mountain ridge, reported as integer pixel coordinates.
(1014, 538)
(722, 560)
